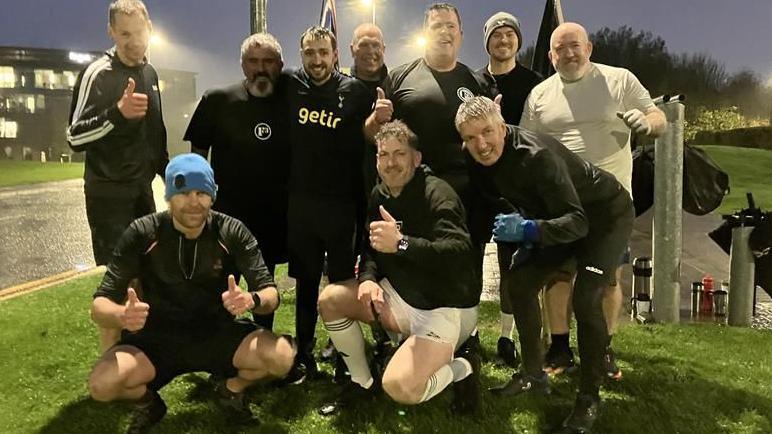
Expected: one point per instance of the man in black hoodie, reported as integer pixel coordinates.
(561, 208)
(417, 280)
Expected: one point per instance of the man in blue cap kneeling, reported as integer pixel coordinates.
(183, 318)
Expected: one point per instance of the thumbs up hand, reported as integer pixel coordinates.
(135, 312)
(383, 107)
(132, 105)
(384, 234)
(236, 301)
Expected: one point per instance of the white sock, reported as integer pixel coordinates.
(437, 382)
(346, 335)
(507, 325)
(461, 368)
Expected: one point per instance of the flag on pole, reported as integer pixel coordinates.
(329, 19)
(553, 16)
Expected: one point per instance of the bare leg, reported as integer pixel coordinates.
(408, 374)
(121, 374)
(261, 355)
(558, 301)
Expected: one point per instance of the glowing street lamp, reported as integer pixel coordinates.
(371, 4)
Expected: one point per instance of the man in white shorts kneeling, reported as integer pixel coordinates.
(418, 279)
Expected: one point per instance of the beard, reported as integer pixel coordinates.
(260, 86)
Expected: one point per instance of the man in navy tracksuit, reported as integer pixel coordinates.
(115, 117)
(562, 209)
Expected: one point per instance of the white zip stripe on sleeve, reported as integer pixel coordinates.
(90, 136)
(85, 85)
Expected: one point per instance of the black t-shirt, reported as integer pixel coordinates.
(514, 86)
(183, 280)
(427, 101)
(249, 142)
(326, 135)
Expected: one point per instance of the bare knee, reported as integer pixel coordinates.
(401, 389)
(329, 302)
(102, 387)
(282, 357)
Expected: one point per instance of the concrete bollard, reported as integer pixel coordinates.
(741, 278)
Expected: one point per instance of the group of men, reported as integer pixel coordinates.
(407, 169)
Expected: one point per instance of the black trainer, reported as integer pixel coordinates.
(506, 351)
(610, 364)
(147, 414)
(521, 383)
(351, 395)
(467, 398)
(559, 360)
(304, 368)
(341, 374)
(582, 416)
(233, 404)
(328, 353)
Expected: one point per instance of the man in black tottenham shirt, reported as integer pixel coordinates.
(182, 319)
(503, 39)
(417, 280)
(563, 208)
(327, 112)
(425, 94)
(246, 128)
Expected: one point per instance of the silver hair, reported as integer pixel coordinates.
(478, 107)
(266, 40)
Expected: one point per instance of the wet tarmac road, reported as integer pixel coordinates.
(44, 231)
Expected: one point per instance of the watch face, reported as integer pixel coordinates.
(402, 244)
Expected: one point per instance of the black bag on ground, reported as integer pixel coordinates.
(704, 183)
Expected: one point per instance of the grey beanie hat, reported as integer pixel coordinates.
(502, 19)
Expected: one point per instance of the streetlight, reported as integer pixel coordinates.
(371, 4)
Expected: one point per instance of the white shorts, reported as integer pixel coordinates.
(448, 325)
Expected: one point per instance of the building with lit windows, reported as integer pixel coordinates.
(35, 94)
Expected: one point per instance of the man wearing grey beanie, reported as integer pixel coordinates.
(514, 81)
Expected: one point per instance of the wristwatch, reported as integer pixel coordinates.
(403, 244)
(255, 299)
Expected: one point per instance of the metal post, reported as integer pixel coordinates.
(668, 218)
(257, 9)
(741, 278)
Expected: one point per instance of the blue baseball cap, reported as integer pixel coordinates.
(187, 172)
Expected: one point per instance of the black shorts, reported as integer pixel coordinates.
(316, 226)
(173, 354)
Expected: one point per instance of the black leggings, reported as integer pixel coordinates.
(597, 256)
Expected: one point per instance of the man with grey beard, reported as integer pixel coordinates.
(245, 127)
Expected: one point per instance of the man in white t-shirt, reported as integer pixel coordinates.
(591, 108)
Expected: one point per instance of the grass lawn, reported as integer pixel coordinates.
(30, 172)
(688, 379)
(749, 170)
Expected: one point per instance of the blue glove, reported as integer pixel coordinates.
(514, 228)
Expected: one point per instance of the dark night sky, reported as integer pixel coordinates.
(204, 35)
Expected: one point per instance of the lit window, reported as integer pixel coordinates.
(8, 129)
(44, 78)
(40, 102)
(7, 77)
(30, 104)
(69, 78)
